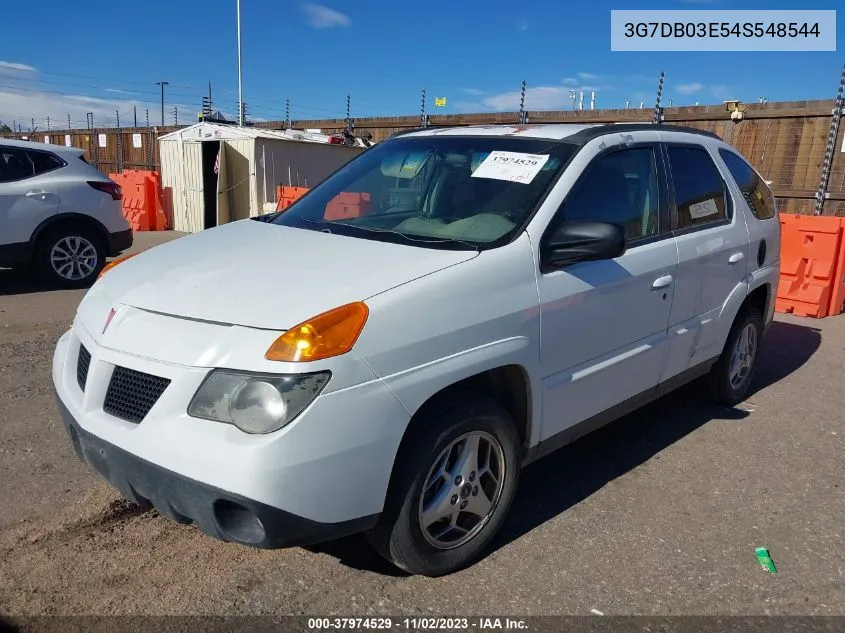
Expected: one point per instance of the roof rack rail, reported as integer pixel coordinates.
(612, 128)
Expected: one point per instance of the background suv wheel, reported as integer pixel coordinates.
(70, 257)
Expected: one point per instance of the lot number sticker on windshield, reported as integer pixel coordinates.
(511, 166)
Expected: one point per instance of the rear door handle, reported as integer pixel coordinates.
(736, 258)
(662, 282)
(39, 195)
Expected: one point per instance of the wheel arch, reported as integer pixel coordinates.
(68, 220)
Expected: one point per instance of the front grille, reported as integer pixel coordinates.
(83, 362)
(131, 394)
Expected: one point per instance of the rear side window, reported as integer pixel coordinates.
(45, 161)
(756, 192)
(15, 164)
(699, 188)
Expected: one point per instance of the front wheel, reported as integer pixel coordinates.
(731, 377)
(452, 489)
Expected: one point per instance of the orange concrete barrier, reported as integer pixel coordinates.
(812, 266)
(286, 196)
(143, 199)
(348, 205)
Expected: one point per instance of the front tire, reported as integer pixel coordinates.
(454, 483)
(731, 377)
(70, 257)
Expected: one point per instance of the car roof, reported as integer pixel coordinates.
(578, 133)
(44, 147)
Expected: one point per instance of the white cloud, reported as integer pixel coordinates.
(522, 25)
(23, 107)
(321, 17)
(539, 98)
(473, 91)
(17, 66)
(721, 91)
(570, 81)
(587, 76)
(688, 89)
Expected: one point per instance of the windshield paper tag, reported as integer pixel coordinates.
(511, 166)
(703, 209)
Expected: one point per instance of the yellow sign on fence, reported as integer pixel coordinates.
(440, 101)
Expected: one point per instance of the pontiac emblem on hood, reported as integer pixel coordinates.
(112, 312)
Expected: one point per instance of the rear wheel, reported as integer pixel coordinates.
(731, 377)
(70, 257)
(452, 488)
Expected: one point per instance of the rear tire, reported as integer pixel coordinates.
(730, 378)
(70, 257)
(436, 473)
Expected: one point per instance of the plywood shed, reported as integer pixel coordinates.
(213, 174)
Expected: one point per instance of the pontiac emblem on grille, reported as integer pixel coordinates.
(112, 312)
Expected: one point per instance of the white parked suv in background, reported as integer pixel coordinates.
(58, 214)
(298, 378)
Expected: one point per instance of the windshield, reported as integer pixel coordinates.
(436, 192)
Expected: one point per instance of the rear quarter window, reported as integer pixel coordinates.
(45, 161)
(757, 194)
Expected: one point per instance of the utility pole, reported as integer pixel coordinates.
(162, 84)
(176, 115)
(135, 114)
(240, 75)
(69, 128)
(287, 114)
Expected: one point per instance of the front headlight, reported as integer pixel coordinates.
(255, 403)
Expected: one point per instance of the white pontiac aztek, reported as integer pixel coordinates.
(387, 360)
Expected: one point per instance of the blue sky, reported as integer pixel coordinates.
(107, 56)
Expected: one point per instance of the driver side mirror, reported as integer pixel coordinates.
(581, 241)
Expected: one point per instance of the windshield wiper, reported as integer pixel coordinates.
(424, 239)
(319, 223)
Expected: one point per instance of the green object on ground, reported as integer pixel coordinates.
(765, 560)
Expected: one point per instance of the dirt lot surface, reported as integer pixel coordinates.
(656, 514)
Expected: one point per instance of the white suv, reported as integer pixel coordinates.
(58, 214)
(389, 367)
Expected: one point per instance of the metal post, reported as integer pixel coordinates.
(658, 111)
(162, 84)
(176, 115)
(240, 76)
(423, 118)
(593, 100)
(48, 125)
(149, 142)
(69, 128)
(523, 115)
(836, 116)
(119, 142)
(32, 124)
(135, 114)
(287, 114)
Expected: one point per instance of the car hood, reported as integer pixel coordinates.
(261, 275)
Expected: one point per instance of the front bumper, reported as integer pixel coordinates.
(218, 513)
(323, 475)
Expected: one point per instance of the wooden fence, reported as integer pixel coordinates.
(785, 141)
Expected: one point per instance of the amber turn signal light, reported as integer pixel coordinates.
(114, 263)
(326, 335)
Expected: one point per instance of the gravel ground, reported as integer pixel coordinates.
(657, 514)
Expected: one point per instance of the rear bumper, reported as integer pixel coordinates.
(220, 514)
(120, 241)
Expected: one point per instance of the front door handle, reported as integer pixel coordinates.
(662, 282)
(736, 258)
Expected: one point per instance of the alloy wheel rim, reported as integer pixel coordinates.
(73, 258)
(742, 358)
(462, 490)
